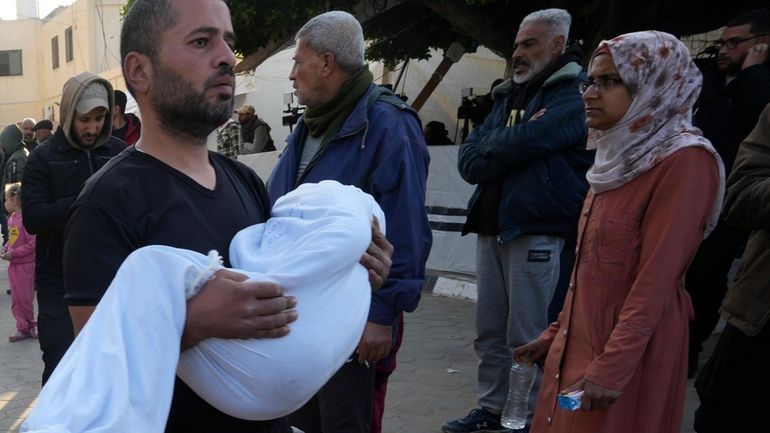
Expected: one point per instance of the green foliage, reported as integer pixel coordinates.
(401, 29)
(392, 36)
(257, 22)
(406, 32)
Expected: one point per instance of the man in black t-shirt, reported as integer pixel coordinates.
(170, 190)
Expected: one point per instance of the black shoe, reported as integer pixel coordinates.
(477, 421)
(8, 291)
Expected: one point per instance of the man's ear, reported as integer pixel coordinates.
(559, 44)
(137, 70)
(329, 64)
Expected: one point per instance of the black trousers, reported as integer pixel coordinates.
(56, 335)
(706, 279)
(343, 405)
(566, 263)
(733, 384)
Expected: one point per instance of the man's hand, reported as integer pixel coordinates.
(536, 350)
(230, 307)
(377, 258)
(755, 55)
(375, 343)
(537, 115)
(595, 397)
(6, 255)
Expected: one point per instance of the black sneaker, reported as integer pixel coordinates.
(477, 421)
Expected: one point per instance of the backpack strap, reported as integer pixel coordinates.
(384, 94)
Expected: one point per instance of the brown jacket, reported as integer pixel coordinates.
(747, 303)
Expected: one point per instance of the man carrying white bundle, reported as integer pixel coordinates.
(170, 190)
(125, 357)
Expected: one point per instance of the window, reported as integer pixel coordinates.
(10, 63)
(55, 52)
(68, 54)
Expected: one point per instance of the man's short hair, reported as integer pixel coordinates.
(339, 33)
(143, 27)
(558, 21)
(437, 128)
(120, 100)
(759, 19)
(246, 109)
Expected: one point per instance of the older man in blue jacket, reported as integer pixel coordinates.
(528, 160)
(358, 133)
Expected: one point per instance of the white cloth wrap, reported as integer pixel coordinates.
(118, 375)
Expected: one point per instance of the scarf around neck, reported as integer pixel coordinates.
(664, 82)
(329, 117)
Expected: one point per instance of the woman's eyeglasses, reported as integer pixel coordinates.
(602, 84)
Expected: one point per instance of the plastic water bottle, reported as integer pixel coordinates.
(517, 406)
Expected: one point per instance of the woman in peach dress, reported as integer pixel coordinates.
(656, 191)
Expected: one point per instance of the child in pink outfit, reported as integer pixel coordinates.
(20, 252)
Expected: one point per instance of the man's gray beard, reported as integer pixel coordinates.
(184, 111)
(535, 67)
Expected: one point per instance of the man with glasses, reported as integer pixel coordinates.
(727, 110)
(528, 160)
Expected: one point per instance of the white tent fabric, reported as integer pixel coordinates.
(268, 85)
(446, 203)
(118, 375)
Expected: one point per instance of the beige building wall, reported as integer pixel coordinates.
(20, 95)
(95, 28)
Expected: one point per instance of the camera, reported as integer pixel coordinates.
(475, 108)
(292, 111)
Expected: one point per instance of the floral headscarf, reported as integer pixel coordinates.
(664, 83)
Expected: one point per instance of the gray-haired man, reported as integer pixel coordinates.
(528, 161)
(357, 133)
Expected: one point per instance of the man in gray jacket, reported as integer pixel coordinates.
(13, 157)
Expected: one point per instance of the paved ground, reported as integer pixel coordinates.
(435, 380)
(20, 365)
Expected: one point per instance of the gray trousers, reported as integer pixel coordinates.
(515, 282)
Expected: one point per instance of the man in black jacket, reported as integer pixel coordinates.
(727, 110)
(528, 161)
(52, 177)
